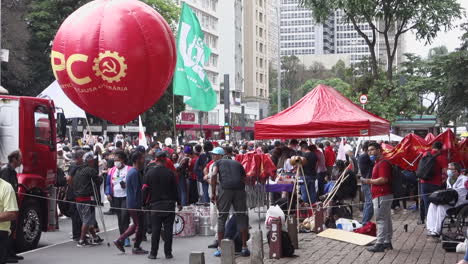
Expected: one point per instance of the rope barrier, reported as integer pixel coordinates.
(195, 211)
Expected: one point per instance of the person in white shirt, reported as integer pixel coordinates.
(116, 190)
(437, 213)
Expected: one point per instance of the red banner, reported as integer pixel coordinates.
(407, 154)
(429, 137)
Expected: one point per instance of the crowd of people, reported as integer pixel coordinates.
(163, 179)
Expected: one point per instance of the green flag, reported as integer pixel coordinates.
(190, 79)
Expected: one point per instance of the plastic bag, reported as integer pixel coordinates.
(274, 212)
(214, 217)
(461, 248)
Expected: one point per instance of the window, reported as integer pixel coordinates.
(42, 126)
(260, 17)
(261, 77)
(261, 63)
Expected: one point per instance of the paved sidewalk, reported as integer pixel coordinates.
(410, 247)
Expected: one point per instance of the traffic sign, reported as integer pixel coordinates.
(363, 99)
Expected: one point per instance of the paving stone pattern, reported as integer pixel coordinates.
(409, 247)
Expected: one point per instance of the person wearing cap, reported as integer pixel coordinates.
(85, 177)
(229, 192)
(159, 193)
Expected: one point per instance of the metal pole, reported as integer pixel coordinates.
(279, 55)
(174, 119)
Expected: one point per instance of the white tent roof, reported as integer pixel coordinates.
(61, 100)
(391, 137)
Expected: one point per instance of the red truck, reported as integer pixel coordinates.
(30, 125)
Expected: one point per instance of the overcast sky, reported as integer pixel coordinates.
(450, 39)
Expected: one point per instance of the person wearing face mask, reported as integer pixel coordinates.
(116, 190)
(382, 197)
(437, 213)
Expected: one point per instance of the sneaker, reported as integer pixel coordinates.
(120, 245)
(127, 243)
(245, 252)
(214, 244)
(169, 256)
(388, 246)
(217, 253)
(97, 240)
(83, 243)
(376, 248)
(139, 251)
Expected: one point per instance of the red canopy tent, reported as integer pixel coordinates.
(323, 112)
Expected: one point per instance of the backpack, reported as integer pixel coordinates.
(447, 197)
(426, 166)
(398, 181)
(286, 244)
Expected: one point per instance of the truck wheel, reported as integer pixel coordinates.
(28, 229)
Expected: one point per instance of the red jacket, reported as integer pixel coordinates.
(330, 156)
(382, 169)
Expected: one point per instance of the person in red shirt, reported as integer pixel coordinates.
(382, 197)
(193, 185)
(330, 157)
(438, 179)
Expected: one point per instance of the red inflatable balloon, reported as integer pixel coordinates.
(114, 58)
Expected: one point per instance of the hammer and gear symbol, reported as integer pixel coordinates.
(110, 66)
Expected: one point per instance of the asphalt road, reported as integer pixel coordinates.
(56, 247)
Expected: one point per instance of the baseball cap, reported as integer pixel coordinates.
(218, 151)
(88, 157)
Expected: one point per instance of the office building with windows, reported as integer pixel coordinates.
(301, 35)
(256, 90)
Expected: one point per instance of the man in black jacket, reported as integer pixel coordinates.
(202, 160)
(8, 173)
(160, 193)
(84, 180)
(365, 166)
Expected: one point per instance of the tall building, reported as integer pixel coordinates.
(300, 35)
(231, 44)
(189, 121)
(298, 29)
(273, 32)
(223, 27)
(256, 92)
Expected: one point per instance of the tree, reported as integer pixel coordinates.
(395, 17)
(453, 68)
(290, 67)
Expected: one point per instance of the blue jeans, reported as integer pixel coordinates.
(182, 188)
(310, 182)
(206, 197)
(368, 210)
(466, 256)
(426, 189)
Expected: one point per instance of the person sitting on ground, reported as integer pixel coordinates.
(437, 213)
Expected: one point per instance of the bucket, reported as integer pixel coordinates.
(205, 226)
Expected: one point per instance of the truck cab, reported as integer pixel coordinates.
(29, 124)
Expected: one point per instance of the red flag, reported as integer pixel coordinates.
(461, 154)
(429, 137)
(406, 155)
(447, 138)
(387, 147)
